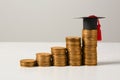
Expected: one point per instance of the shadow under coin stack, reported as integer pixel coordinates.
(59, 56)
(89, 38)
(28, 62)
(73, 45)
(43, 59)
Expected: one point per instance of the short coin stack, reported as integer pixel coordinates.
(27, 62)
(43, 59)
(73, 45)
(89, 38)
(59, 56)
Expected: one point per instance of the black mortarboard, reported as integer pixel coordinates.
(90, 23)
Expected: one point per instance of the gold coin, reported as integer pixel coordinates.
(73, 39)
(57, 50)
(90, 55)
(89, 31)
(75, 64)
(89, 35)
(74, 53)
(43, 58)
(75, 59)
(89, 46)
(90, 49)
(59, 62)
(27, 62)
(59, 56)
(43, 54)
(44, 65)
(90, 52)
(74, 43)
(69, 46)
(90, 60)
(90, 64)
(44, 61)
(74, 49)
(90, 39)
(93, 36)
(90, 43)
(60, 65)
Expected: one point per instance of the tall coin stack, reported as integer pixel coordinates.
(73, 45)
(89, 38)
(59, 56)
(43, 59)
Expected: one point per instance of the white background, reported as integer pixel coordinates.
(52, 20)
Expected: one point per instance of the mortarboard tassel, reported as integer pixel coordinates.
(99, 36)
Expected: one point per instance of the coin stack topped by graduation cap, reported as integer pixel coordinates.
(43, 59)
(73, 45)
(90, 34)
(59, 56)
(89, 47)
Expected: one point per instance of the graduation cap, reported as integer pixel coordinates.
(92, 23)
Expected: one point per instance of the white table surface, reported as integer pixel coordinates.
(108, 67)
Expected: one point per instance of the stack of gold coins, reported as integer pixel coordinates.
(89, 45)
(59, 56)
(73, 45)
(27, 62)
(43, 59)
